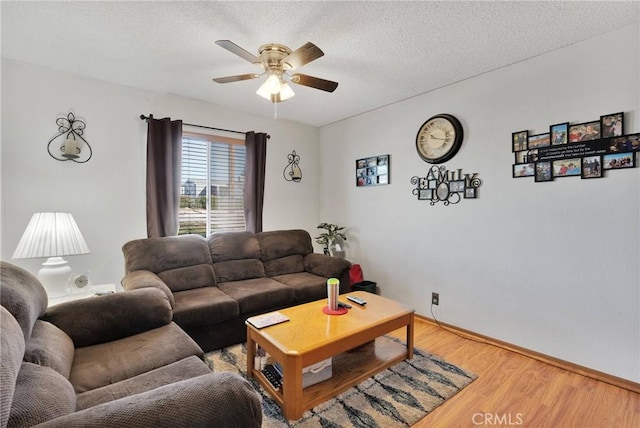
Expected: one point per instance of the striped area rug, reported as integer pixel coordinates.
(397, 397)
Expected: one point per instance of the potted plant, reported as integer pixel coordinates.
(328, 238)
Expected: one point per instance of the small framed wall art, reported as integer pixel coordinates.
(612, 125)
(373, 170)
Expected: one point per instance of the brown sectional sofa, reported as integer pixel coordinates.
(108, 361)
(215, 284)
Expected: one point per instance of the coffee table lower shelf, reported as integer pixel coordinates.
(348, 369)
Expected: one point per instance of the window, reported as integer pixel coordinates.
(211, 184)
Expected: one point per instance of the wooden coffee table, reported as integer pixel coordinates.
(312, 336)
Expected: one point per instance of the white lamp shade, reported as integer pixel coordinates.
(286, 92)
(49, 235)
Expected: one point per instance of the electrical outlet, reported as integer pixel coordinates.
(435, 299)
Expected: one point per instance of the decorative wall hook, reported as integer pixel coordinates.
(442, 185)
(292, 171)
(68, 143)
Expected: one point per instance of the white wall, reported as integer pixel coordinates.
(550, 266)
(107, 194)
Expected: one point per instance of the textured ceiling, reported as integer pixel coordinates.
(379, 52)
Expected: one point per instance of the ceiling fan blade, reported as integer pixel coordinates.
(301, 56)
(314, 82)
(237, 78)
(235, 49)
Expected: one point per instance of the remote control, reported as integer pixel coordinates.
(272, 375)
(344, 305)
(357, 300)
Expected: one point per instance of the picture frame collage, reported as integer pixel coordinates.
(373, 171)
(582, 150)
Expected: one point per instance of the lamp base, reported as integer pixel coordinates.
(54, 276)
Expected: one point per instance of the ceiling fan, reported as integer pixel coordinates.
(276, 61)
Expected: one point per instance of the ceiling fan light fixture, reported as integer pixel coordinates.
(264, 92)
(276, 60)
(286, 92)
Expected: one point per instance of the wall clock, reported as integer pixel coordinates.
(439, 138)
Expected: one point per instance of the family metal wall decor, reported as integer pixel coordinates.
(442, 185)
(373, 170)
(583, 149)
(68, 143)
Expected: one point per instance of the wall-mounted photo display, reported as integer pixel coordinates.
(543, 171)
(627, 143)
(527, 156)
(524, 170)
(559, 133)
(584, 132)
(619, 160)
(612, 125)
(592, 167)
(519, 140)
(446, 186)
(567, 167)
(373, 171)
(540, 140)
(584, 150)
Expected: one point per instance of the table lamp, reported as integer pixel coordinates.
(52, 235)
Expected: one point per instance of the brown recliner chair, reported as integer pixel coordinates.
(108, 361)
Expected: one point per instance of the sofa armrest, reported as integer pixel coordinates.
(329, 267)
(105, 318)
(144, 278)
(211, 400)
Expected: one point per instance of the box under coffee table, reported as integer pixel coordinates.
(312, 336)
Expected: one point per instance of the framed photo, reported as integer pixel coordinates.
(559, 133)
(544, 171)
(539, 140)
(470, 193)
(612, 125)
(456, 186)
(619, 160)
(519, 140)
(584, 131)
(626, 143)
(524, 170)
(373, 170)
(567, 167)
(592, 167)
(425, 194)
(527, 156)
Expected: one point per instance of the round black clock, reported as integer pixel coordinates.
(439, 138)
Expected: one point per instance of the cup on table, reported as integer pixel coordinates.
(333, 289)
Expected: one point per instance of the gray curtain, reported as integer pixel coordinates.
(164, 154)
(255, 161)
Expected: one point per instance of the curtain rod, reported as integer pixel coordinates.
(143, 117)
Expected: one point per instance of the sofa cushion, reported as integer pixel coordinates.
(203, 306)
(51, 347)
(111, 317)
(184, 369)
(166, 253)
(281, 243)
(11, 352)
(284, 265)
(99, 365)
(226, 246)
(308, 287)
(236, 270)
(189, 277)
(259, 294)
(41, 394)
(22, 295)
